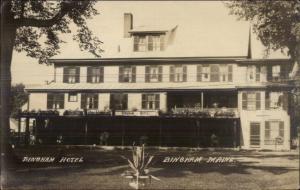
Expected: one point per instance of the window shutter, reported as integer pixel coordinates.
(50, 99)
(269, 73)
(267, 100)
(150, 43)
(172, 73)
(101, 74)
(214, 73)
(77, 76)
(135, 43)
(281, 129)
(244, 101)
(125, 101)
(258, 101)
(162, 42)
(184, 73)
(96, 101)
(229, 73)
(89, 74)
(160, 73)
(83, 101)
(121, 72)
(285, 101)
(147, 74)
(61, 100)
(156, 101)
(284, 71)
(267, 130)
(199, 73)
(144, 101)
(65, 74)
(257, 74)
(133, 74)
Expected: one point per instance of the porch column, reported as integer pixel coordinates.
(85, 131)
(160, 131)
(123, 133)
(202, 100)
(27, 133)
(234, 134)
(198, 132)
(19, 130)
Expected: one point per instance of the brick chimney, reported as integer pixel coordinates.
(127, 24)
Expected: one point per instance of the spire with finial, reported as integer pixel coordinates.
(249, 55)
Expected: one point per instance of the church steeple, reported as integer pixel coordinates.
(249, 54)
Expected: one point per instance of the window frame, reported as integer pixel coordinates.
(155, 103)
(255, 101)
(57, 101)
(132, 74)
(91, 73)
(95, 101)
(152, 42)
(67, 75)
(72, 94)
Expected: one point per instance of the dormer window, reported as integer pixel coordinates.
(148, 42)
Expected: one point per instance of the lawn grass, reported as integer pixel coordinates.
(102, 169)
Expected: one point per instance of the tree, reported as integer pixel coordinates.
(34, 26)
(276, 23)
(18, 98)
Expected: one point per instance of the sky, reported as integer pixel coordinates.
(203, 29)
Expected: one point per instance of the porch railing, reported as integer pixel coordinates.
(206, 112)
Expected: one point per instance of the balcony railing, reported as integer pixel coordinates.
(137, 113)
(205, 112)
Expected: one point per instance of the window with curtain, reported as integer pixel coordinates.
(55, 100)
(253, 73)
(178, 73)
(71, 74)
(153, 73)
(150, 101)
(95, 74)
(89, 101)
(127, 74)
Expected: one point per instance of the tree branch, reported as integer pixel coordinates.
(66, 6)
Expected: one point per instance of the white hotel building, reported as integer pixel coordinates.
(203, 95)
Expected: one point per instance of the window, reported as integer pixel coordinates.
(72, 97)
(254, 134)
(127, 74)
(118, 101)
(276, 71)
(153, 73)
(178, 73)
(71, 74)
(253, 73)
(55, 101)
(203, 73)
(150, 101)
(95, 74)
(153, 42)
(140, 43)
(214, 73)
(274, 132)
(274, 100)
(251, 100)
(89, 101)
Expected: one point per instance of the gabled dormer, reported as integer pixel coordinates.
(147, 38)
